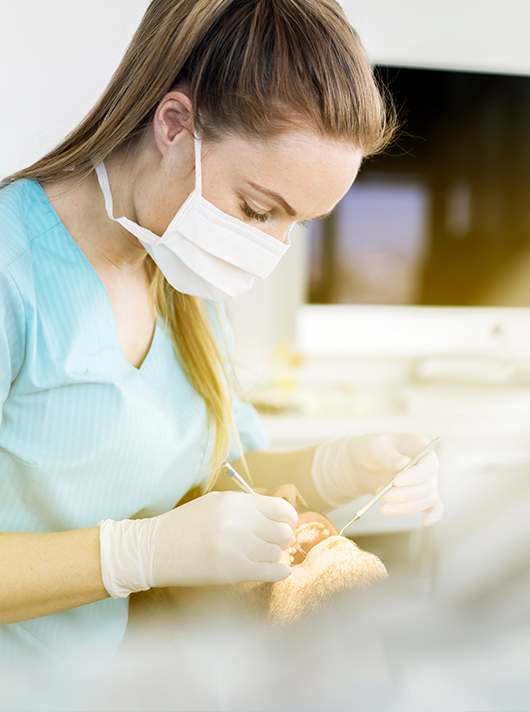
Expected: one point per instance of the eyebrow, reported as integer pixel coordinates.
(281, 201)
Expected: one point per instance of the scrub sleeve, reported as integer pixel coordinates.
(84, 435)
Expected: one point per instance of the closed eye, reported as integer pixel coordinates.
(252, 214)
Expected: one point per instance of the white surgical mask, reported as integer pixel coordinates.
(204, 252)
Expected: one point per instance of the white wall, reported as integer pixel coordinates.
(56, 56)
(477, 35)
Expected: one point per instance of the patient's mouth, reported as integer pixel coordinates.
(311, 529)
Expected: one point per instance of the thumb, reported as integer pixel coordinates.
(434, 514)
(395, 462)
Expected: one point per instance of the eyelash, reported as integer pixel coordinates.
(263, 217)
(252, 215)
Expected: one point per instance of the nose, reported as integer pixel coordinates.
(284, 237)
(278, 232)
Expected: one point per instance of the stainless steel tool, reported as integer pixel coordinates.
(383, 490)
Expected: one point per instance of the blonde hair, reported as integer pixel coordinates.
(252, 67)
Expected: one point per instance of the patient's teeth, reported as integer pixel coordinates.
(309, 525)
(307, 533)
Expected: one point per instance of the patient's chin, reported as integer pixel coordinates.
(342, 562)
(332, 566)
(331, 563)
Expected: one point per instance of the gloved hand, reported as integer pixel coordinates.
(220, 538)
(348, 467)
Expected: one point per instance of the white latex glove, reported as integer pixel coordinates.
(348, 467)
(220, 538)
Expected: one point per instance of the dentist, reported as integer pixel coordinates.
(226, 122)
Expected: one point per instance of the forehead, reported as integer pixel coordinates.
(310, 172)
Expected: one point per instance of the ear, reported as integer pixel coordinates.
(174, 115)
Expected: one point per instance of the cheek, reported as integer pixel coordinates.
(217, 191)
(158, 219)
(222, 200)
(159, 200)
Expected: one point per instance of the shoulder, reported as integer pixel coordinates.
(25, 213)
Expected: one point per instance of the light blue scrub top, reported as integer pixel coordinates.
(84, 435)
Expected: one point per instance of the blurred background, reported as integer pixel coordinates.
(410, 305)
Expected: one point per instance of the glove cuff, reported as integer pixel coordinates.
(125, 555)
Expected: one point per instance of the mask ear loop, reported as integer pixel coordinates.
(103, 177)
(198, 166)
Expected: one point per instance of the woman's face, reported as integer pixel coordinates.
(273, 183)
(269, 183)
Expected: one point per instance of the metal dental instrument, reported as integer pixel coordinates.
(247, 488)
(237, 477)
(383, 490)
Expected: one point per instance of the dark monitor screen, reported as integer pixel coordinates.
(443, 216)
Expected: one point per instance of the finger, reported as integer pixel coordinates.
(271, 573)
(419, 505)
(399, 495)
(278, 533)
(395, 462)
(434, 514)
(411, 444)
(424, 470)
(259, 551)
(385, 453)
(276, 509)
(395, 452)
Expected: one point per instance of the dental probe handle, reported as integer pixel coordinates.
(377, 496)
(247, 488)
(383, 490)
(237, 477)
